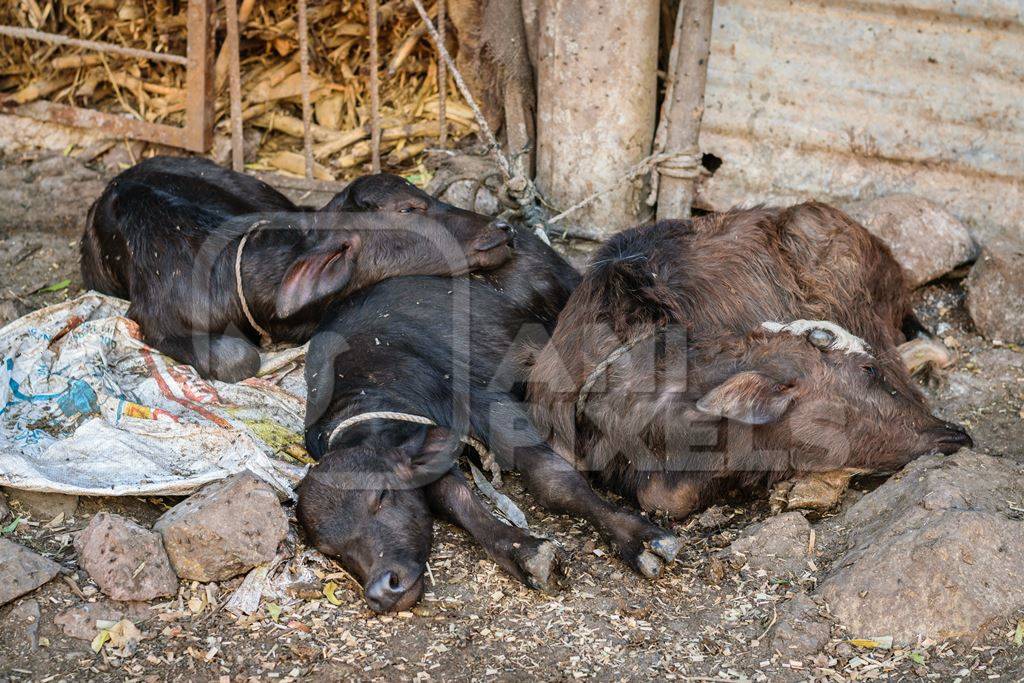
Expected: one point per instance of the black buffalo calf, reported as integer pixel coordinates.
(447, 350)
(212, 260)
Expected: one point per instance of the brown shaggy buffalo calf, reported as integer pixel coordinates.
(738, 349)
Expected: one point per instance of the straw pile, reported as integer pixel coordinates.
(271, 90)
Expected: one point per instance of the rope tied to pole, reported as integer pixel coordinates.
(681, 164)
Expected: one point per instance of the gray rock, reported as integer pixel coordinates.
(125, 560)
(4, 510)
(472, 196)
(926, 240)
(936, 551)
(22, 570)
(26, 617)
(11, 309)
(713, 518)
(27, 192)
(800, 630)
(80, 621)
(777, 545)
(43, 506)
(224, 530)
(995, 291)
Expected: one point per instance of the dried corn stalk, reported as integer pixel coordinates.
(271, 90)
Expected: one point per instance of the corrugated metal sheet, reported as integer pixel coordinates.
(843, 100)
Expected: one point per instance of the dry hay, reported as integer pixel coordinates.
(271, 90)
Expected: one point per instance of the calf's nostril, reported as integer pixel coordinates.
(382, 590)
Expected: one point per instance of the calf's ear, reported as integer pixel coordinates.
(315, 276)
(341, 201)
(431, 453)
(749, 397)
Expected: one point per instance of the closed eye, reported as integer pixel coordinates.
(871, 371)
(412, 208)
(381, 497)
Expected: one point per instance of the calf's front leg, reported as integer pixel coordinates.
(558, 486)
(536, 562)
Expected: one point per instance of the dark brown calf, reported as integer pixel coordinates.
(168, 235)
(736, 349)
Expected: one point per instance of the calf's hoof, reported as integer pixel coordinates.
(541, 565)
(651, 550)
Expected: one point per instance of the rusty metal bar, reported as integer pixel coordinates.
(373, 11)
(442, 79)
(199, 79)
(95, 46)
(307, 135)
(235, 86)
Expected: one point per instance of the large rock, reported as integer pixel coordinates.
(44, 507)
(125, 560)
(995, 291)
(22, 570)
(778, 545)
(936, 552)
(224, 530)
(927, 240)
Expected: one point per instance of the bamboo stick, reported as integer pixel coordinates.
(675, 193)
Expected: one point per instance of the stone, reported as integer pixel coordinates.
(43, 507)
(24, 620)
(713, 518)
(125, 560)
(819, 491)
(472, 196)
(5, 511)
(995, 290)
(778, 545)
(80, 621)
(926, 240)
(935, 552)
(223, 530)
(11, 309)
(800, 630)
(22, 570)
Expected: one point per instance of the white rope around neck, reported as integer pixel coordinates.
(265, 338)
(487, 458)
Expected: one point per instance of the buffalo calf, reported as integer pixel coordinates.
(447, 350)
(179, 237)
(734, 350)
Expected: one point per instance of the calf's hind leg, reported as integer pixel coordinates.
(535, 561)
(217, 356)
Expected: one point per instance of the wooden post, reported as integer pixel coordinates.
(676, 192)
(307, 110)
(596, 95)
(373, 10)
(442, 78)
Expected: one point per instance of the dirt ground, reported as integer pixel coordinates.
(702, 620)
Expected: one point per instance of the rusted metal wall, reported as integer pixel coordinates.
(843, 100)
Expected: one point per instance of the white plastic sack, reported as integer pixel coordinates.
(87, 408)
